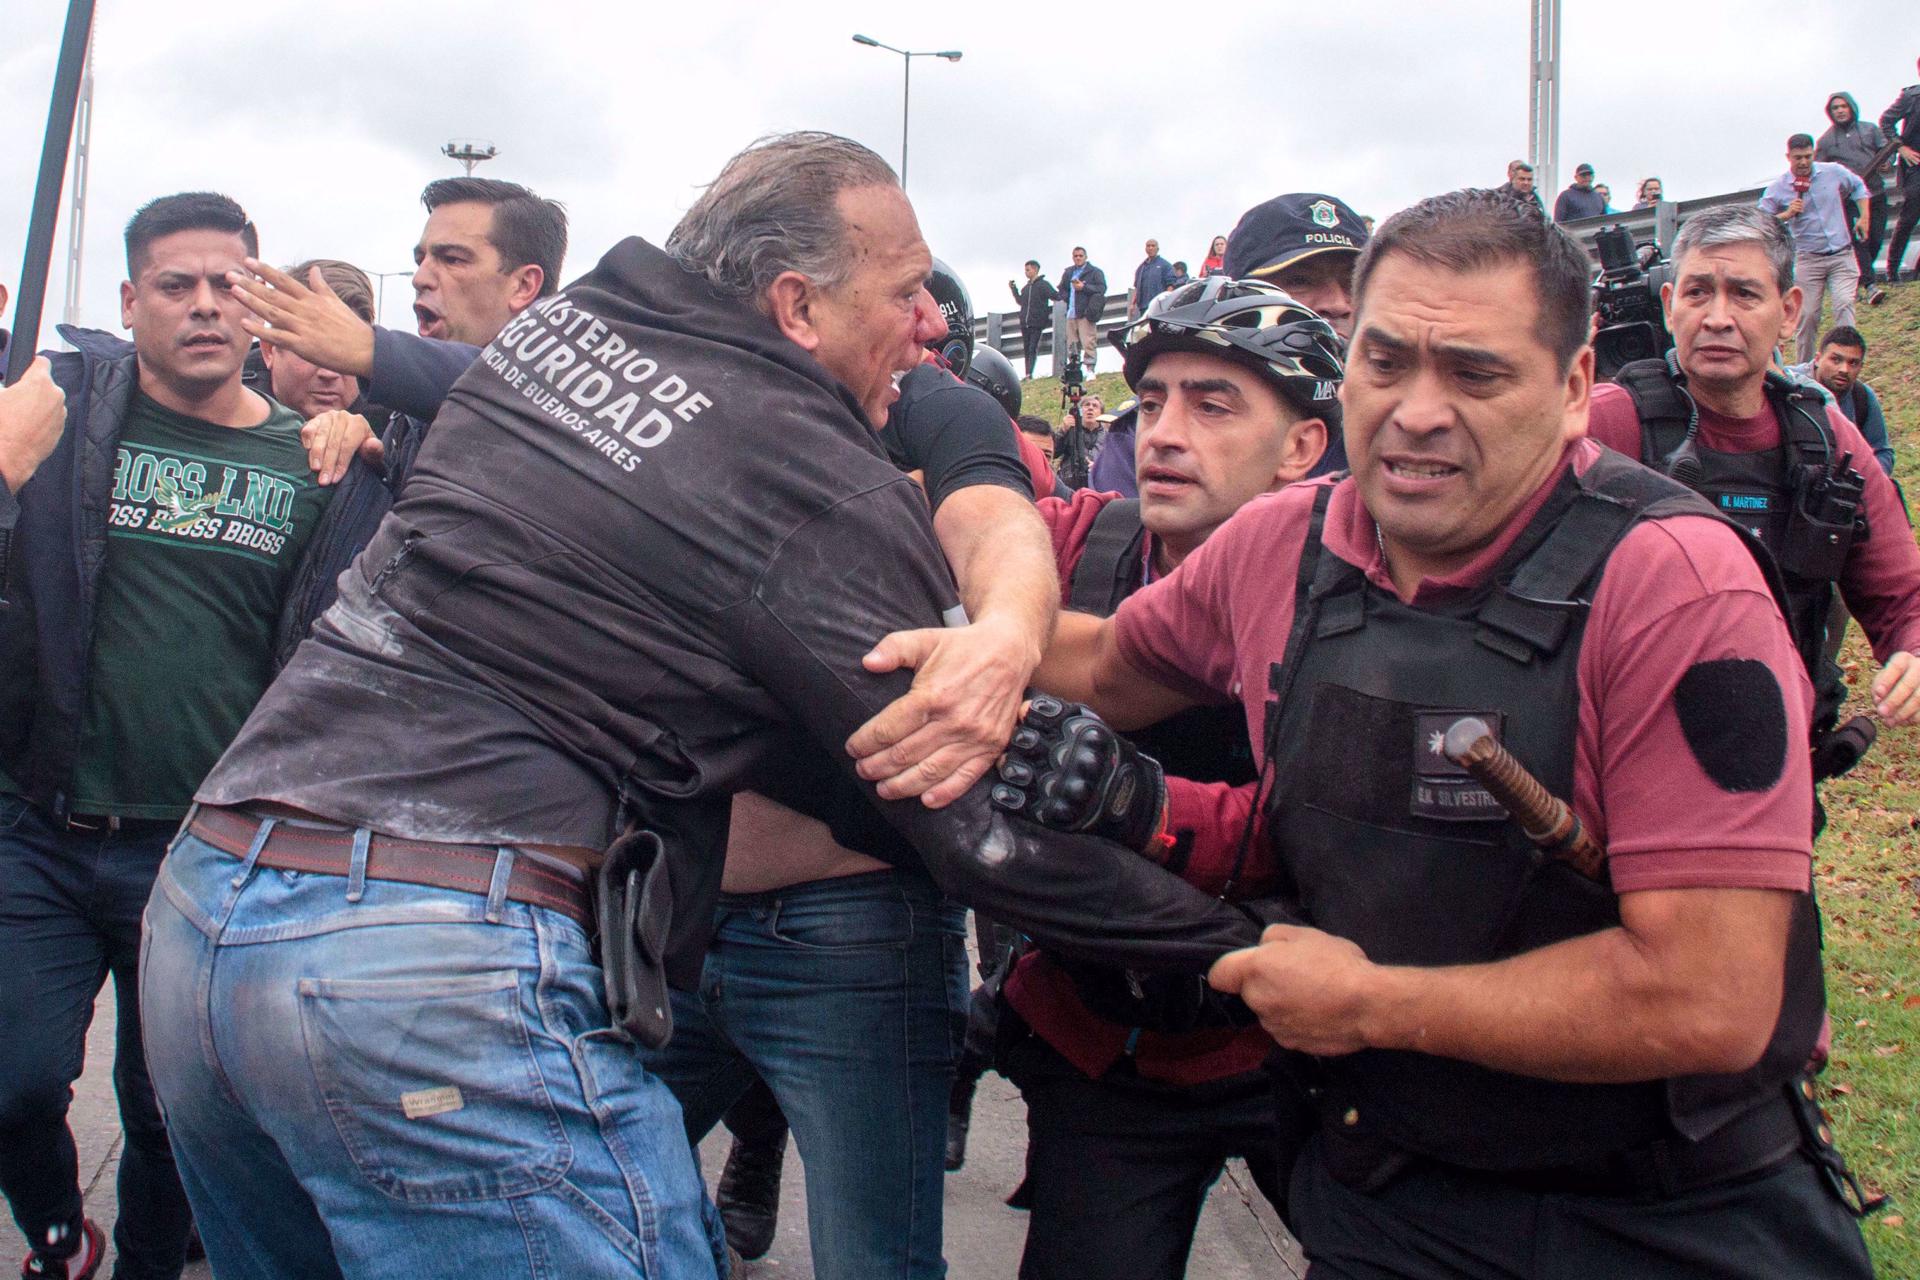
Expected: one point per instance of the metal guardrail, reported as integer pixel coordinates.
(1659, 224)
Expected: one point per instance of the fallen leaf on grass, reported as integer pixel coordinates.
(1844, 1090)
(1886, 1050)
(1911, 1002)
(1893, 1220)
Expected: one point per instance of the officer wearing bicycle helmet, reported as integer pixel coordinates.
(1132, 1110)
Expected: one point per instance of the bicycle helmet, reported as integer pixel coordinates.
(1251, 321)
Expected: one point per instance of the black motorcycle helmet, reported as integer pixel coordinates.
(994, 374)
(956, 348)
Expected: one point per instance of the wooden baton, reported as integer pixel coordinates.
(1546, 819)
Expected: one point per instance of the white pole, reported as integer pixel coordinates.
(77, 206)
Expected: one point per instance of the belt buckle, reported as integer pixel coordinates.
(108, 824)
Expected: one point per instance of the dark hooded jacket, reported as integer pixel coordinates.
(647, 540)
(1853, 144)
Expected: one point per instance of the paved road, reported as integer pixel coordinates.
(1239, 1237)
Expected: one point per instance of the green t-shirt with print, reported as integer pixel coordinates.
(206, 525)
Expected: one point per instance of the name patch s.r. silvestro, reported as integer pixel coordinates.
(1441, 788)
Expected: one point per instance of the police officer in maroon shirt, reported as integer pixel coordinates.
(1132, 1110)
(1527, 1071)
(1777, 458)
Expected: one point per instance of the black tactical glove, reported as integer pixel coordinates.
(1068, 770)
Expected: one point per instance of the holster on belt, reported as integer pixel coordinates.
(633, 910)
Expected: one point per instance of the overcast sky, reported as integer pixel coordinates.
(1064, 124)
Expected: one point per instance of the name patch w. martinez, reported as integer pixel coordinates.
(1441, 788)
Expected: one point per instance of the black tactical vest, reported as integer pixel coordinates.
(1756, 492)
(1387, 843)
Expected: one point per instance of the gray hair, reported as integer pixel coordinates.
(772, 210)
(1739, 224)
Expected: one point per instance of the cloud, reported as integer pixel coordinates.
(1061, 124)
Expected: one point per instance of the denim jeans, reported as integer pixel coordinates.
(70, 906)
(389, 1080)
(836, 993)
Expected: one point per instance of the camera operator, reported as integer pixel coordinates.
(1776, 457)
(1079, 434)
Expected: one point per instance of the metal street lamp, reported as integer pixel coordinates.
(906, 93)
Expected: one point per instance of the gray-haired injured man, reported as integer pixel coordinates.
(645, 553)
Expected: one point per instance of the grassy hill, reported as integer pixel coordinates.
(1867, 864)
(1868, 870)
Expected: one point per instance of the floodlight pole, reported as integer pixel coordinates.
(1543, 98)
(906, 88)
(77, 205)
(469, 152)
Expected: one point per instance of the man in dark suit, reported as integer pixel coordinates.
(1084, 286)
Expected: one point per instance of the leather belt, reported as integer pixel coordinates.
(467, 868)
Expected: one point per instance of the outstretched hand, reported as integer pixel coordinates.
(943, 735)
(307, 319)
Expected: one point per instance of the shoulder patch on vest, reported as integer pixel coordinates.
(1735, 721)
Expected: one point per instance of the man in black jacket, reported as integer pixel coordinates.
(654, 528)
(1084, 286)
(1035, 300)
(142, 568)
(1902, 119)
(489, 249)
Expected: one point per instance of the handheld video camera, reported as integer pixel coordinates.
(1626, 297)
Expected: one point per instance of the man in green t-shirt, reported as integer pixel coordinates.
(139, 594)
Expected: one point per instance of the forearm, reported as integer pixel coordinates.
(1083, 896)
(1084, 664)
(1002, 560)
(1213, 849)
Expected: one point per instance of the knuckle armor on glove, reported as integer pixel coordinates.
(1067, 769)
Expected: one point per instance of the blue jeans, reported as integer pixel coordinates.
(70, 906)
(420, 1082)
(835, 993)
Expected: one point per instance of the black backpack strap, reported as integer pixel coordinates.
(1663, 408)
(1110, 564)
(1859, 398)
